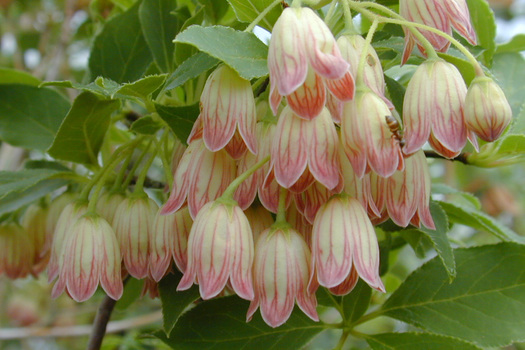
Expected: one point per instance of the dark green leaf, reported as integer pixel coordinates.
(397, 93)
(185, 51)
(247, 56)
(417, 341)
(146, 126)
(325, 298)
(45, 164)
(484, 23)
(132, 291)
(448, 190)
(516, 44)
(248, 10)
(479, 220)
(159, 27)
(179, 119)
(214, 9)
(18, 181)
(356, 302)
(142, 88)
(120, 51)
(102, 87)
(14, 76)
(419, 241)
(485, 304)
(174, 303)
(440, 240)
(191, 68)
(82, 132)
(30, 116)
(221, 324)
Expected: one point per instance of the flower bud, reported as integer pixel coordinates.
(281, 271)
(487, 111)
(16, 251)
(91, 257)
(220, 248)
(132, 223)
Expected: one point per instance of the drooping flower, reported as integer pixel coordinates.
(302, 53)
(91, 256)
(132, 222)
(487, 111)
(281, 271)
(439, 14)
(16, 251)
(433, 109)
(56, 207)
(367, 139)
(202, 176)
(300, 143)
(343, 238)
(108, 203)
(67, 219)
(407, 193)
(34, 222)
(227, 104)
(259, 219)
(220, 249)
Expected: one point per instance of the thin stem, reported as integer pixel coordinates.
(139, 186)
(331, 11)
(135, 166)
(262, 15)
(165, 162)
(349, 21)
(230, 190)
(122, 172)
(367, 318)
(362, 59)
(342, 340)
(101, 321)
(462, 157)
(281, 211)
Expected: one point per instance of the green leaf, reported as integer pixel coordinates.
(18, 181)
(30, 116)
(509, 70)
(102, 87)
(248, 10)
(356, 302)
(14, 76)
(120, 51)
(132, 291)
(146, 126)
(174, 303)
(485, 304)
(221, 324)
(247, 56)
(484, 23)
(418, 240)
(509, 149)
(82, 132)
(397, 93)
(440, 240)
(325, 298)
(479, 220)
(214, 9)
(142, 88)
(448, 190)
(416, 341)
(185, 51)
(159, 27)
(516, 44)
(189, 69)
(179, 119)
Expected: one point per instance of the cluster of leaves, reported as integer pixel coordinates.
(462, 298)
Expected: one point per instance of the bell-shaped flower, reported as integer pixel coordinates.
(433, 109)
(56, 207)
(220, 249)
(310, 200)
(34, 222)
(91, 257)
(202, 176)
(299, 223)
(367, 139)
(487, 111)
(16, 251)
(281, 271)
(343, 237)
(67, 219)
(302, 53)
(108, 203)
(407, 193)
(351, 47)
(260, 219)
(227, 104)
(132, 223)
(439, 14)
(169, 240)
(300, 143)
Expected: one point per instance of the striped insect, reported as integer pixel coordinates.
(393, 125)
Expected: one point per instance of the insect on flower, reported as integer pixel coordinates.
(393, 125)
